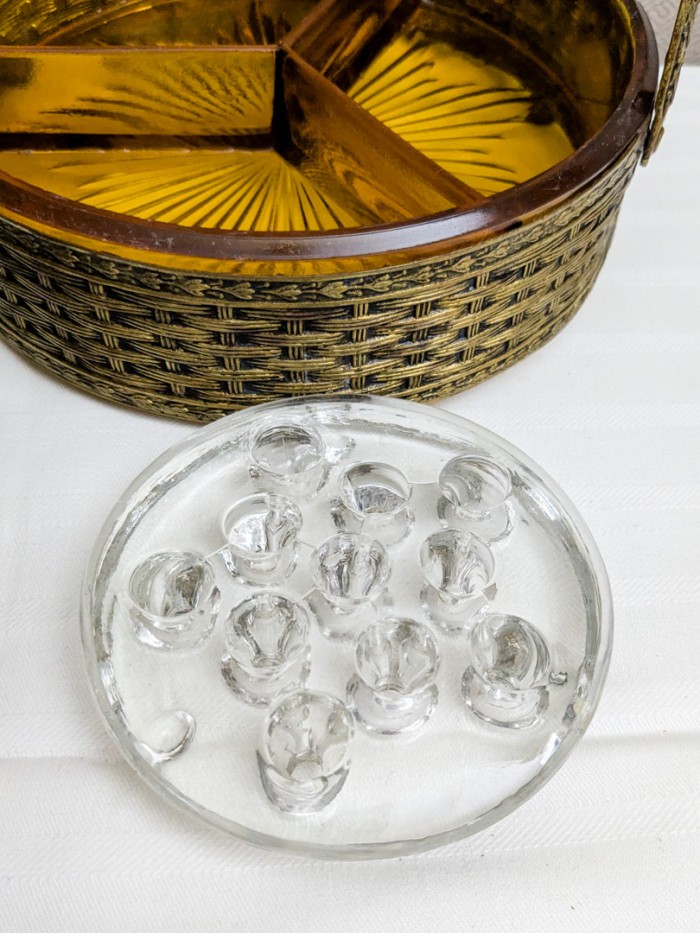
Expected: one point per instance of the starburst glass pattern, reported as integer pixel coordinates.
(242, 116)
(472, 118)
(235, 189)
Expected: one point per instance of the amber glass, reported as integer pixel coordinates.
(289, 117)
(475, 119)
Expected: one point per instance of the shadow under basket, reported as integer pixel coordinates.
(208, 205)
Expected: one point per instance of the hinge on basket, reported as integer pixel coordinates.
(669, 79)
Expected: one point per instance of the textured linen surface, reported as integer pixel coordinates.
(663, 14)
(611, 409)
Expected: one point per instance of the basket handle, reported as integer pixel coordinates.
(669, 79)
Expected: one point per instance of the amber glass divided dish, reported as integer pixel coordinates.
(209, 203)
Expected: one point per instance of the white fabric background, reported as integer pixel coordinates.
(663, 14)
(611, 409)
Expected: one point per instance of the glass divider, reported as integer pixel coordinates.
(339, 143)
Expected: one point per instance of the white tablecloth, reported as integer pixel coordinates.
(611, 409)
(663, 15)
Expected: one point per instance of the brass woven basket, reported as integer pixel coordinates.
(436, 288)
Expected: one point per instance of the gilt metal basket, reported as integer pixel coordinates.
(440, 185)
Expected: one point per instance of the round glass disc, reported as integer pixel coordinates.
(274, 720)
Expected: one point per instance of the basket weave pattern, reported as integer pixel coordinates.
(196, 347)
